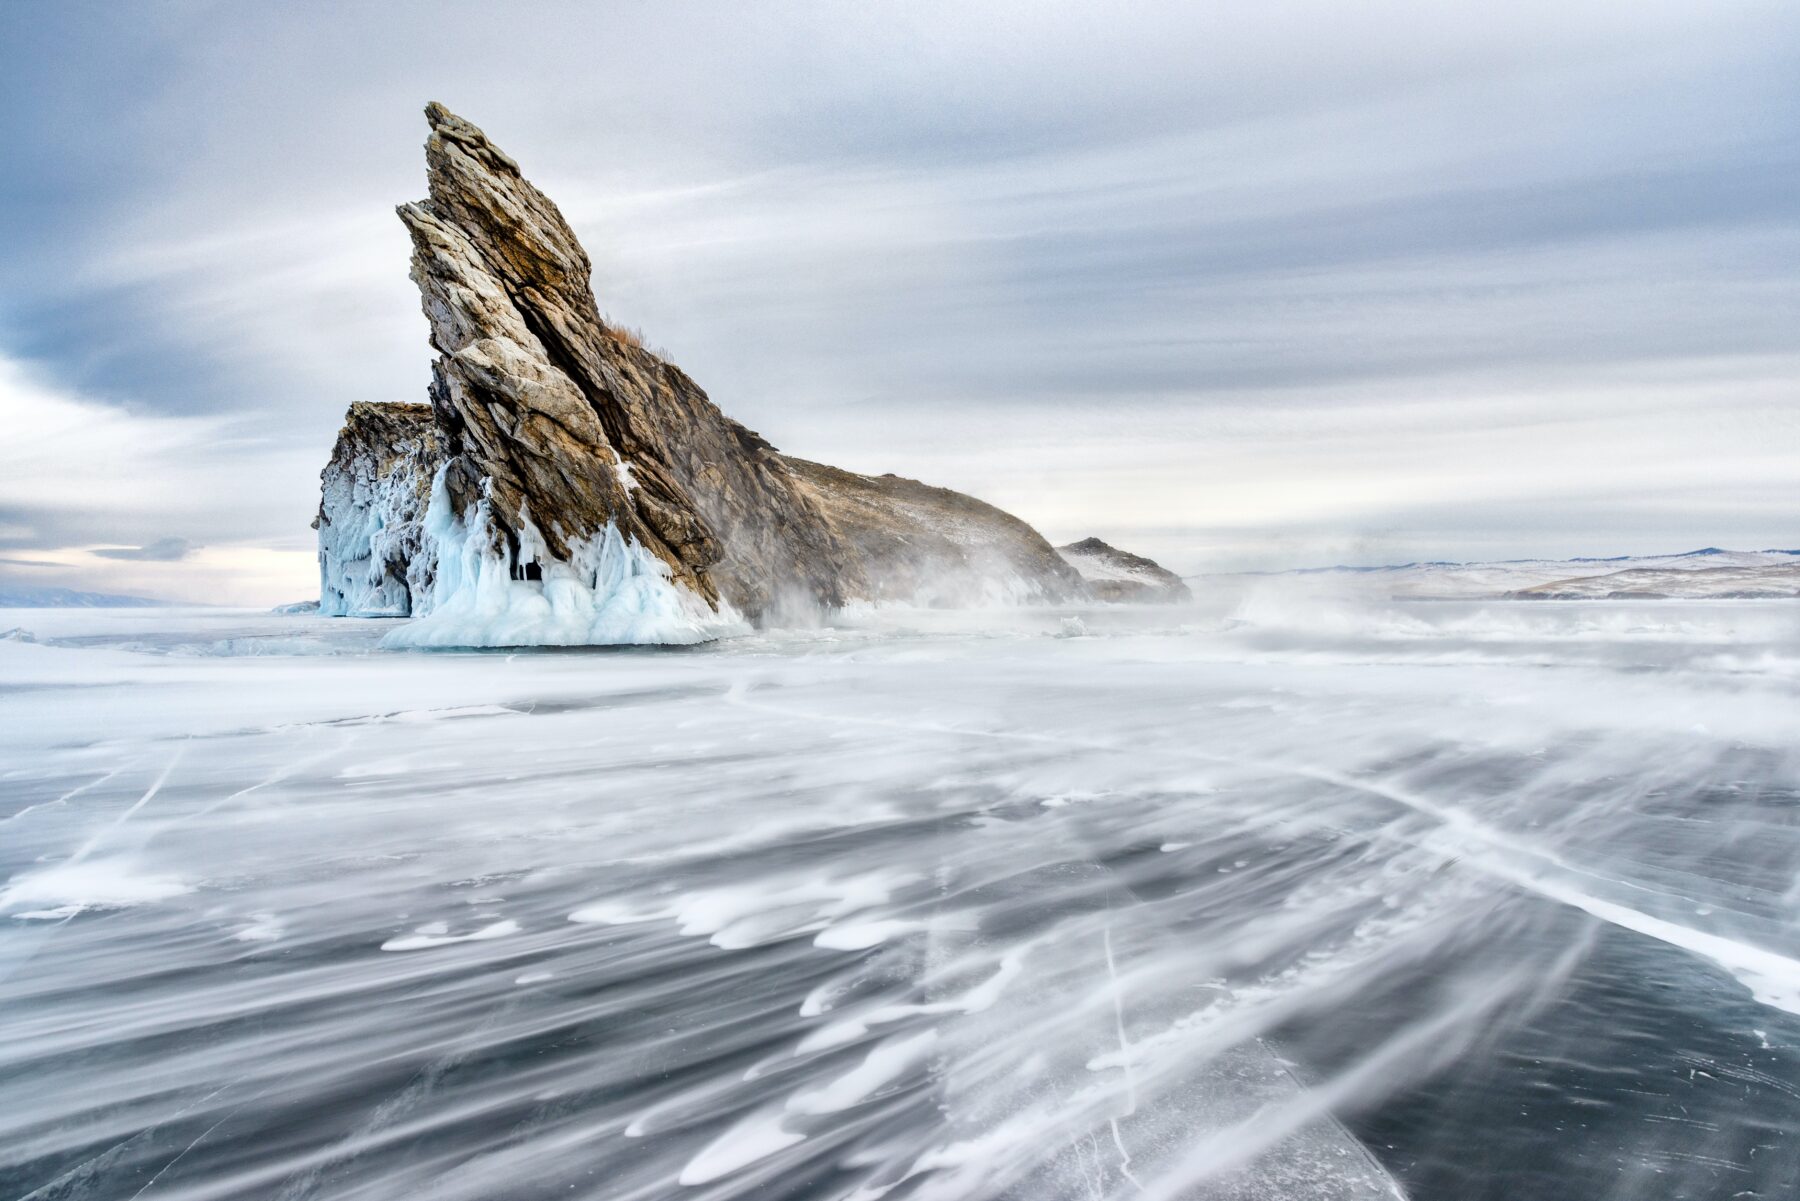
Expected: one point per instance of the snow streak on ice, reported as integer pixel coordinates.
(1276, 896)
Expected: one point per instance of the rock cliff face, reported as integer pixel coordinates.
(931, 546)
(374, 559)
(588, 490)
(1111, 574)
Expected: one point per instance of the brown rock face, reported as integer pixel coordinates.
(932, 546)
(552, 428)
(573, 426)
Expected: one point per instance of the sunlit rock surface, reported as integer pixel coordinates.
(589, 490)
(1111, 574)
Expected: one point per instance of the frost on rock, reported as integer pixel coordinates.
(373, 558)
(609, 591)
(1111, 574)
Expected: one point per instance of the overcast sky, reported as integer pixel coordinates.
(1234, 285)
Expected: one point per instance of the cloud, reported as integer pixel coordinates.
(76, 474)
(1507, 279)
(163, 550)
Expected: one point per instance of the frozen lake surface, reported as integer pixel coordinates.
(1286, 895)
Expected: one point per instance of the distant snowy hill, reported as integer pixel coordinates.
(1732, 581)
(1697, 574)
(68, 598)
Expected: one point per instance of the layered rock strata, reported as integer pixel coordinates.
(588, 490)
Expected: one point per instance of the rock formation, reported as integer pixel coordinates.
(1115, 575)
(916, 544)
(570, 486)
(374, 560)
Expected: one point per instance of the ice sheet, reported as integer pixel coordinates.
(925, 904)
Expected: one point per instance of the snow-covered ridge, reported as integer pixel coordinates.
(1698, 574)
(68, 598)
(1116, 575)
(1780, 580)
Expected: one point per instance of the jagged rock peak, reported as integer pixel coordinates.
(513, 418)
(565, 429)
(520, 232)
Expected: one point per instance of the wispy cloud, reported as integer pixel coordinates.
(78, 476)
(1449, 280)
(163, 550)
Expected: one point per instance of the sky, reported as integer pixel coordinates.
(1236, 286)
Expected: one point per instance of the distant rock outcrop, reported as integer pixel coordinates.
(35, 597)
(916, 544)
(1115, 575)
(586, 490)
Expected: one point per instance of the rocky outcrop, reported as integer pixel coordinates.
(930, 546)
(589, 491)
(1111, 574)
(374, 558)
(564, 428)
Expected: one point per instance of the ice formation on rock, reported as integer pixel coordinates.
(373, 558)
(609, 590)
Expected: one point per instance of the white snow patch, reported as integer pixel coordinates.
(263, 927)
(90, 884)
(746, 916)
(858, 936)
(434, 934)
(881, 1067)
(1104, 567)
(756, 1137)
